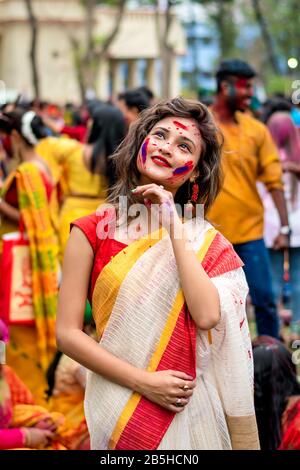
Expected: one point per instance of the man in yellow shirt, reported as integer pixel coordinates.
(249, 155)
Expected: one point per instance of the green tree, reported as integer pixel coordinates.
(221, 14)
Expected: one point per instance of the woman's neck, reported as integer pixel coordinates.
(29, 154)
(145, 180)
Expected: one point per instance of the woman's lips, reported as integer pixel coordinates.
(160, 161)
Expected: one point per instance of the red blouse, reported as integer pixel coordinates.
(104, 249)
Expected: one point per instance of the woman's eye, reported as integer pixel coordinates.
(185, 147)
(159, 134)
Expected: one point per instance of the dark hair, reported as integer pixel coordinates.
(147, 91)
(210, 175)
(233, 68)
(107, 132)
(135, 99)
(275, 380)
(14, 120)
(278, 103)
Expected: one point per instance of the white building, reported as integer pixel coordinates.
(133, 54)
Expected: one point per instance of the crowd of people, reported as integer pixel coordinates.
(126, 328)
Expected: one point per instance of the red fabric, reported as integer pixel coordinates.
(19, 393)
(6, 268)
(48, 186)
(291, 427)
(75, 132)
(150, 421)
(104, 250)
(11, 197)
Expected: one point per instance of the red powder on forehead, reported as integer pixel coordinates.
(241, 82)
(182, 126)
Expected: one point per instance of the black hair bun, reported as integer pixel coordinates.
(38, 127)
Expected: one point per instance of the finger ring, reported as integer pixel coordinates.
(185, 388)
(178, 403)
(161, 186)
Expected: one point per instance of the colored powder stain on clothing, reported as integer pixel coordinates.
(144, 151)
(182, 126)
(183, 169)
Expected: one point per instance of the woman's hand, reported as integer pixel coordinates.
(37, 438)
(47, 424)
(170, 389)
(161, 203)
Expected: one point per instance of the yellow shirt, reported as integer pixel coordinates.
(249, 154)
(65, 158)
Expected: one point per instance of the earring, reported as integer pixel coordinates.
(195, 193)
(194, 197)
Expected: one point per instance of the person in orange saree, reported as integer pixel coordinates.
(22, 423)
(172, 368)
(29, 203)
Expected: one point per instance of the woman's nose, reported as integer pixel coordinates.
(166, 147)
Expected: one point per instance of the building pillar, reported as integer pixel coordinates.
(116, 76)
(175, 79)
(132, 73)
(102, 83)
(150, 76)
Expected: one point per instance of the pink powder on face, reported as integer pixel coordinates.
(182, 126)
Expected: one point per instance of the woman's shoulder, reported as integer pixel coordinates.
(96, 226)
(220, 256)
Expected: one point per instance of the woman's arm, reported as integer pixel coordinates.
(9, 211)
(201, 295)
(160, 387)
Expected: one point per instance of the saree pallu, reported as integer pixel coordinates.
(39, 222)
(141, 317)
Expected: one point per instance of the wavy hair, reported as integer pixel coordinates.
(209, 165)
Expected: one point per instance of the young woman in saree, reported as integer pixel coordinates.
(173, 366)
(28, 203)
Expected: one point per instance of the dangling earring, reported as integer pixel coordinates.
(194, 197)
(195, 193)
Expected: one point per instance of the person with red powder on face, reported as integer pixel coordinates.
(249, 154)
(172, 368)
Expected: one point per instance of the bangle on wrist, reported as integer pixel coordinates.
(26, 439)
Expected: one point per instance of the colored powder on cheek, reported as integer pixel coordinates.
(144, 151)
(182, 126)
(184, 169)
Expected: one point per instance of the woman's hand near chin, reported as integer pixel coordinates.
(161, 203)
